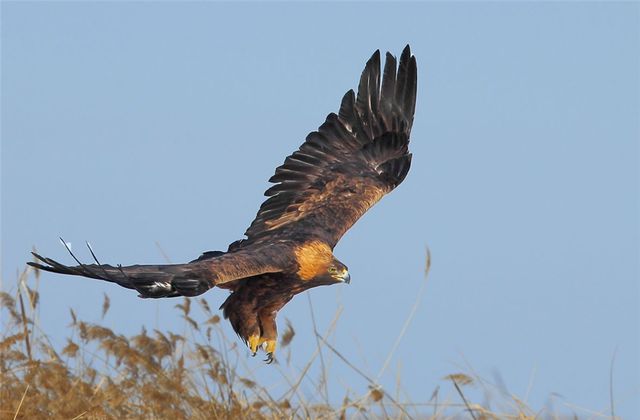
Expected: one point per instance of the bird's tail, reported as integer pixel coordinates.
(151, 281)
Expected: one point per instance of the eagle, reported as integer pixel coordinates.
(356, 157)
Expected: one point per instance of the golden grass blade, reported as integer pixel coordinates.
(106, 304)
(613, 360)
(371, 382)
(412, 313)
(15, 416)
(464, 399)
(332, 325)
(25, 326)
(80, 415)
(323, 377)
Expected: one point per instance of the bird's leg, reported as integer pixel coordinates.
(269, 347)
(269, 330)
(254, 342)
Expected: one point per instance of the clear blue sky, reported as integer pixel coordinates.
(130, 123)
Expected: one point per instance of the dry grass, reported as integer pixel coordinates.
(102, 374)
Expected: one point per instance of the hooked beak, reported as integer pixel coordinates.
(346, 277)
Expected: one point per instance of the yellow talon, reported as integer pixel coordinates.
(254, 343)
(269, 346)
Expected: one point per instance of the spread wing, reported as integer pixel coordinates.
(170, 280)
(351, 162)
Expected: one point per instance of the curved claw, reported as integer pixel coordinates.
(269, 358)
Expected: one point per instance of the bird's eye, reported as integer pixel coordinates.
(333, 270)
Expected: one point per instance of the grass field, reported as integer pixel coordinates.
(103, 374)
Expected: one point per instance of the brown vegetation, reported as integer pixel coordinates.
(103, 374)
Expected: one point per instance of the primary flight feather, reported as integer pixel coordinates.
(356, 157)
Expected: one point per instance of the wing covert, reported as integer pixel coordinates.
(347, 165)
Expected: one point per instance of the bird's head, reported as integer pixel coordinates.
(338, 272)
(332, 273)
(318, 266)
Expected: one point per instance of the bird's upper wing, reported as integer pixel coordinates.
(351, 162)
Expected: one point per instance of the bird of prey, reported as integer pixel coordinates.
(354, 158)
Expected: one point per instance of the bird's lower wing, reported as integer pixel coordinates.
(168, 280)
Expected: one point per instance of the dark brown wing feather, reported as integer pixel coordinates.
(351, 162)
(170, 280)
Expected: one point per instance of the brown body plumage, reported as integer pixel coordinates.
(340, 171)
